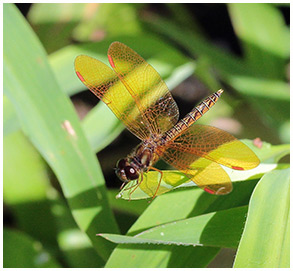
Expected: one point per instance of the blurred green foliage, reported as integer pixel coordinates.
(54, 189)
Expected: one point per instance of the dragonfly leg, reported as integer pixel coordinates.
(161, 176)
(128, 187)
(122, 185)
(137, 185)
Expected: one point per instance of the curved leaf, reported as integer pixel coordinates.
(266, 45)
(265, 241)
(216, 229)
(49, 120)
(173, 206)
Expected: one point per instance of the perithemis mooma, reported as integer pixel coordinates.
(138, 96)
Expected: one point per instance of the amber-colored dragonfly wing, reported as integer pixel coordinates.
(207, 174)
(199, 150)
(105, 84)
(155, 104)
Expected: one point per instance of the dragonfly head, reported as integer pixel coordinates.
(126, 171)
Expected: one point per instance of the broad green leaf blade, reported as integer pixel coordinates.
(265, 241)
(170, 207)
(266, 51)
(162, 256)
(26, 185)
(269, 97)
(21, 251)
(216, 229)
(28, 195)
(76, 247)
(191, 257)
(30, 181)
(135, 208)
(266, 44)
(49, 120)
(10, 121)
(261, 88)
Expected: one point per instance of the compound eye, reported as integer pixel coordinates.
(131, 173)
(121, 164)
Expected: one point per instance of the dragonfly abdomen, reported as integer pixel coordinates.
(193, 116)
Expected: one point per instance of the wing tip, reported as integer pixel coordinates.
(112, 47)
(114, 43)
(79, 59)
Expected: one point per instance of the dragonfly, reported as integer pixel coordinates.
(137, 95)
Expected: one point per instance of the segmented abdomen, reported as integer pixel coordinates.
(193, 116)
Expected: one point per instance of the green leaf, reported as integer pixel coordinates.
(25, 189)
(135, 208)
(173, 206)
(266, 50)
(30, 181)
(10, 121)
(265, 241)
(266, 44)
(28, 194)
(74, 244)
(21, 251)
(77, 249)
(49, 120)
(216, 229)
(161, 256)
(261, 88)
